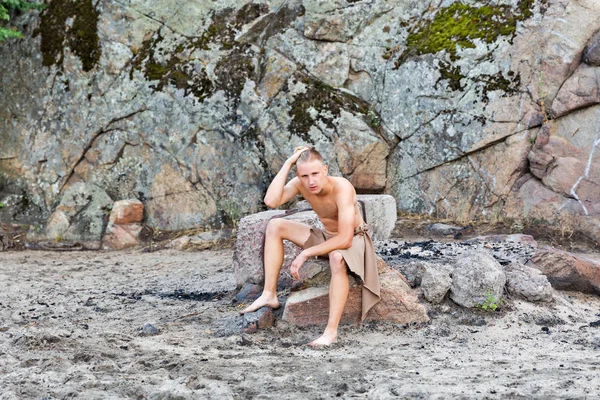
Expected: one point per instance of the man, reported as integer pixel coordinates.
(345, 238)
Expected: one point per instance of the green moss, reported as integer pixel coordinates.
(323, 98)
(459, 24)
(81, 37)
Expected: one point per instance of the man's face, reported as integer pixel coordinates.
(312, 175)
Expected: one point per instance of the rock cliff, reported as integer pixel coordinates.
(467, 109)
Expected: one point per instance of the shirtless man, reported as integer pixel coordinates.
(334, 201)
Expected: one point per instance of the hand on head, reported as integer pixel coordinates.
(297, 152)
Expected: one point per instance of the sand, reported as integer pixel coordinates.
(71, 327)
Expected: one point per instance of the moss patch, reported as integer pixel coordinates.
(173, 67)
(81, 37)
(323, 98)
(460, 24)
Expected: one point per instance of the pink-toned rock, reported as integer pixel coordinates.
(260, 319)
(579, 91)
(248, 256)
(566, 271)
(121, 236)
(399, 303)
(127, 212)
(564, 168)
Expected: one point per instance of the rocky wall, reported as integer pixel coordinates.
(463, 110)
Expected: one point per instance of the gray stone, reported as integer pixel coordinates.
(440, 229)
(180, 243)
(149, 330)
(435, 284)
(17, 209)
(528, 283)
(248, 293)
(476, 276)
(591, 52)
(380, 213)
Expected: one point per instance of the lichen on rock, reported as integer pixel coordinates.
(181, 69)
(323, 98)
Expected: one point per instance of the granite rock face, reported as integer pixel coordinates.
(193, 107)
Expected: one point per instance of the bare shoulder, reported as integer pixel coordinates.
(343, 186)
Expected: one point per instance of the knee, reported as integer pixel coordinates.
(274, 227)
(337, 263)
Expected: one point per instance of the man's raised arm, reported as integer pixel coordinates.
(278, 192)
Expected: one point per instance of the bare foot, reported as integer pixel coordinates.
(325, 340)
(265, 300)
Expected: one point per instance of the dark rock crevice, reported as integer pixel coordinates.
(90, 143)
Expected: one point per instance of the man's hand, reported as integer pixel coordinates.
(297, 152)
(296, 264)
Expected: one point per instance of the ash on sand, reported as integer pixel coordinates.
(70, 327)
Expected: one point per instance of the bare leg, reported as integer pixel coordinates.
(338, 294)
(277, 230)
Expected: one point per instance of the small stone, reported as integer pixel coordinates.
(149, 330)
(248, 293)
(260, 319)
(435, 284)
(180, 243)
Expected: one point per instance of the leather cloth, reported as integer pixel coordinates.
(360, 258)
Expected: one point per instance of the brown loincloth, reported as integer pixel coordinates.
(360, 258)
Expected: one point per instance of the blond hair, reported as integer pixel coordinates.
(309, 155)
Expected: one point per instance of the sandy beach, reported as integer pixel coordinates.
(71, 326)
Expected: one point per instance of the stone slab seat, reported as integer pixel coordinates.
(399, 303)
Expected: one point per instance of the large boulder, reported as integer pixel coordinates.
(566, 271)
(249, 247)
(475, 277)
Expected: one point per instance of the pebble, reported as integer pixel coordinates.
(149, 330)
